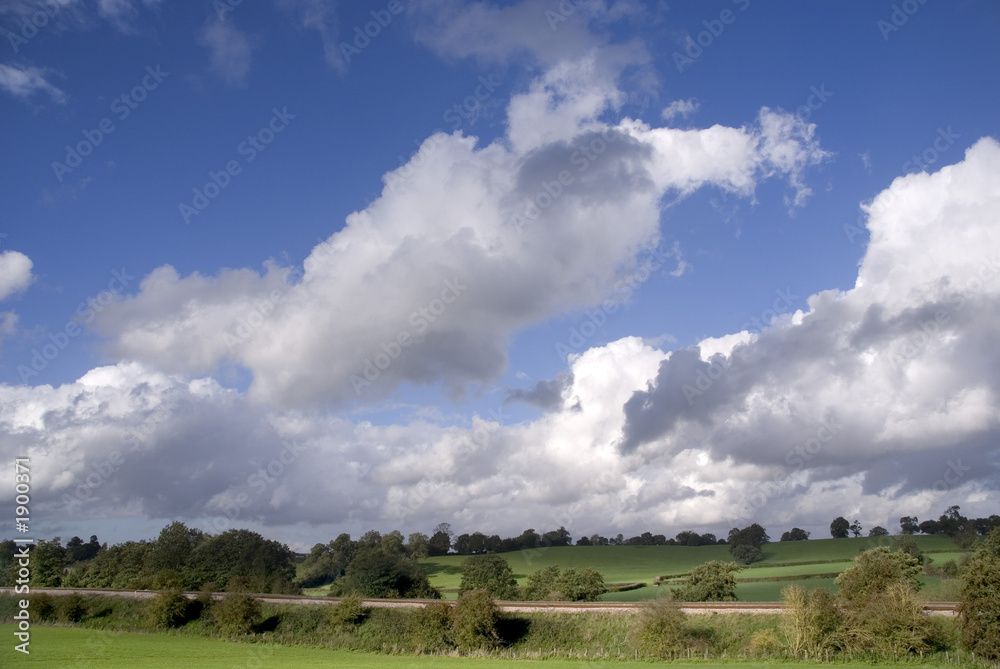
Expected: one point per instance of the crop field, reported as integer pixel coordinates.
(75, 647)
(805, 562)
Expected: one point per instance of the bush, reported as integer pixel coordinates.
(874, 572)
(764, 643)
(809, 621)
(889, 624)
(236, 613)
(489, 572)
(474, 621)
(346, 614)
(170, 608)
(660, 629)
(979, 611)
(41, 607)
(746, 554)
(431, 629)
(713, 581)
(70, 608)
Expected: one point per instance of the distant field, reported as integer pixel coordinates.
(622, 564)
(75, 647)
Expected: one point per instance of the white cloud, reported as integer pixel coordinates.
(682, 108)
(24, 81)
(15, 273)
(321, 16)
(230, 51)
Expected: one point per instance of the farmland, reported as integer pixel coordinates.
(806, 562)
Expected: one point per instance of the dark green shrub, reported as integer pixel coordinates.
(660, 629)
(431, 628)
(889, 624)
(347, 613)
(474, 620)
(979, 612)
(236, 613)
(70, 608)
(489, 572)
(713, 581)
(41, 607)
(170, 608)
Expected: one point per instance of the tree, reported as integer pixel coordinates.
(491, 573)
(573, 585)
(417, 544)
(745, 553)
(878, 531)
(712, 581)
(461, 544)
(874, 571)
(382, 572)
(48, 562)
(856, 528)
(174, 547)
(909, 525)
(474, 621)
(268, 566)
(979, 611)
(930, 527)
(839, 528)
(440, 541)
(745, 544)
(795, 534)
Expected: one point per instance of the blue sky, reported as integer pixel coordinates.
(761, 155)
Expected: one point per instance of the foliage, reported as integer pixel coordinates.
(70, 608)
(795, 534)
(326, 562)
(979, 612)
(745, 554)
(120, 566)
(712, 581)
(48, 560)
(573, 585)
(878, 531)
(888, 623)
(764, 643)
(236, 614)
(42, 606)
(347, 613)
(839, 528)
(874, 572)
(382, 572)
(809, 620)
(745, 544)
(660, 629)
(489, 572)
(81, 552)
(907, 544)
(170, 608)
(909, 525)
(431, 630)
(241, 553)
(474, 621)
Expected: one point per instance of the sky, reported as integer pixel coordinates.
(311, 267)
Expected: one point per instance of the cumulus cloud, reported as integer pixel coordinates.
(466, 245)
(25, 81)
(230, 51)
(880, 385)
(682, 108)
(15, 273)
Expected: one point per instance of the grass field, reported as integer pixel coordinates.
(75, 647)
(621, 564)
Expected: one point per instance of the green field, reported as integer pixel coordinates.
(74, 647)
(626, 564)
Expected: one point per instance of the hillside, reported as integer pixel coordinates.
(808, 562)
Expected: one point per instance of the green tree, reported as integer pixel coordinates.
(416, 543)
(795, 534)
(489, 572)
(745, 544)
(874, 571)
(909, 525)
(474, 621)
(378, 572)
(878, 531)
(712, 581)
(120, 566)
(48, 564)
(979, 611)
(581, 585)
(265, 564)
(173, 548)
(236, 614)
(440, 541)
(839, 528)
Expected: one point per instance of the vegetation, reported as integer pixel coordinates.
(490, 573)
(660, 629)
(713, 581)
(980, 608)
(236, 614)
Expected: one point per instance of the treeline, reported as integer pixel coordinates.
(180, 557)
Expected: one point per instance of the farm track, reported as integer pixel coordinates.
(932, 608)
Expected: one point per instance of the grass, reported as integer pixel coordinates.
(646, 563)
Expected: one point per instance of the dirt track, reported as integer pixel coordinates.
(934, 608)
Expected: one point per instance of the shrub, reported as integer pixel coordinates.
(874, 572)
(979, 611)
(809, 621)
(581, 585)
(746, 554)
(170, 608)
(890, 623)
(431, 628)
(489, 572)
(236, 613)
(474, 621)
(764, 643)
(70, 608)
(660, 629)
(346, 614)
(41, 607)
(713, 581)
